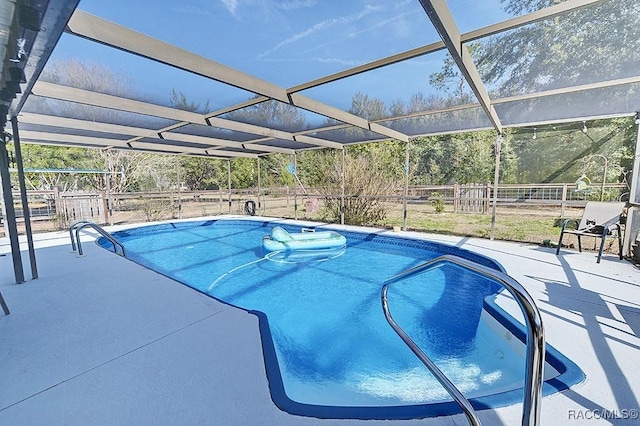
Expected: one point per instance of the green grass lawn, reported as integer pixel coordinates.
(531, 229)
(528, 224)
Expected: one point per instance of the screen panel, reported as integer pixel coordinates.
(592, 44)
(286, 43)
(607, 101)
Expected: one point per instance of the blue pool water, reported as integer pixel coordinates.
(329, 351)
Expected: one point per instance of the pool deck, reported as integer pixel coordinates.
(100, 340)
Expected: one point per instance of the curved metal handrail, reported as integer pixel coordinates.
(535, 338)
(80, 225)
(462, 401)
(72, 228)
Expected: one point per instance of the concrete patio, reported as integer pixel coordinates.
(100, 340)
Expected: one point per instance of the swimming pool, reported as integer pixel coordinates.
(328, 349)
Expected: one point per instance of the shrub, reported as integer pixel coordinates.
(366, 185)
(437, 202)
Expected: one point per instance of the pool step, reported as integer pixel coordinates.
(535, 349)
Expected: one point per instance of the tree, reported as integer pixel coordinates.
(561, 153)
(273, 170)
(202, 173)
(366, 180)
(91, 76)
(179, 100)
(595, 43)
(271, 113)
(451, 82)
(57, 158)
(461, 158)
(128, 170)
(368, 108)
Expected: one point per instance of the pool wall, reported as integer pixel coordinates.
(353, 237)
(570, 373)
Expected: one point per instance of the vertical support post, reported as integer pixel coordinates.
(634, 198)
(295, 187)
(487, 198)
(109, 212)
(456, 197)
(61, 214)
(286, 191)
(5, 308)
(105, 206)
(406, 187)
(229, 183)
(5, 225)
(496, 178)
(10, 211)
(604, 177)
(563, 202)
(342, 170)
(259, 190)
(179, 189)
(25, 202)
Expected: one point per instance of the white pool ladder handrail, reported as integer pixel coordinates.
(80, 225)
(535, 349)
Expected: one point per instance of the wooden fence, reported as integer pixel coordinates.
(65, 208)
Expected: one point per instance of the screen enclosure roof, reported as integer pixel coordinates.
(229, 79)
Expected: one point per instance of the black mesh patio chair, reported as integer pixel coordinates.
(599, 220)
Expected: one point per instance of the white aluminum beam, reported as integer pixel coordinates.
(67, 138)
(94, 28)
(309, 140)
(76, 124)
(66, 93)
(150, 146)
(509, 24)
(203, 140)
(70, 139)
(403, 56)
(431, 112)
(219, 153)
(217, 143)
(267, 148)
(241, 105)
(97, 29)
(443, 21)
(86, 97)
(569, 89)
(312, 105)
(70, 145)
(534, 95)
(137, 132)
(519, 21)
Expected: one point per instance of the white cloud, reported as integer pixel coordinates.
(346, 62)
(231, 5)
(396, 23)
(296, 4)
(322, 25)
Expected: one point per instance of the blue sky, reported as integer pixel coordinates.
(284, 42)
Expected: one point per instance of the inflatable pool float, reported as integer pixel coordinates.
(281, 240)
